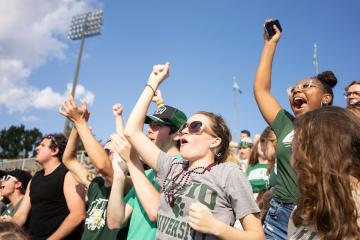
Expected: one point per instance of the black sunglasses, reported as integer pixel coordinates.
(196, 127)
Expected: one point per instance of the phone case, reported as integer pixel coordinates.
(269, 27)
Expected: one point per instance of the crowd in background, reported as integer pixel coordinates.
(185, 178)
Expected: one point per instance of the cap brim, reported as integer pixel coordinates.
(149, 119)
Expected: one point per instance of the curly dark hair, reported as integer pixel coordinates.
(329, 81)
(58, 140)
(219, 127)
(326, 152)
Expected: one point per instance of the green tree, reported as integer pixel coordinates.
(17, 142)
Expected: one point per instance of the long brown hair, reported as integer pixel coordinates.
(266, 136)
(326, 151)
(219, 127)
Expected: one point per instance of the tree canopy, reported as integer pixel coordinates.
(17, 142)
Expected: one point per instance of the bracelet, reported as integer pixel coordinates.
(160, 102)
(151, 88)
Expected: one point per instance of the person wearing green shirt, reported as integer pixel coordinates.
(308, 94)
(95, 227)
(261, 161)
(136, 206)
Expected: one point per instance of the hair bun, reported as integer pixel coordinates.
(328, 77)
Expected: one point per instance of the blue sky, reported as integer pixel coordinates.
(207, 42)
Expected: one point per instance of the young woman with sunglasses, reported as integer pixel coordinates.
(308, 94)
(201, 197)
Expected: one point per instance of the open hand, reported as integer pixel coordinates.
(74, 113)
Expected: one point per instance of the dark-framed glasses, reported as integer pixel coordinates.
(354, 94)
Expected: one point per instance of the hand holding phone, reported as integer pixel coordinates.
(269, 27)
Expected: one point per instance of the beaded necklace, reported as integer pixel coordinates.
(175, 188)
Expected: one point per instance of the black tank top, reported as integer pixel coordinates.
(48, 204)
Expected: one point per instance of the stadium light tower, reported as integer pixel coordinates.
(82, 26)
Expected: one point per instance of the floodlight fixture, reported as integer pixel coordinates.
(82, 26)
(86, 25)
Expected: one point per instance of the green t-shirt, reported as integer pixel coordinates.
(95, 222)
(258, 177)
(140, 225)
(286, 180)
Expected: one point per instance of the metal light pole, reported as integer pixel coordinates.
(82, 26)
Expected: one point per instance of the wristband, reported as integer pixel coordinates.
(148, 85)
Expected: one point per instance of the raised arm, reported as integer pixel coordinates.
(94, 149)
(119, 123)
(148, 195)
(79, 172)
(118, 212)
(268, 105)
(75, 200)
(134, 127)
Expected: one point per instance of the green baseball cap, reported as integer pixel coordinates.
(167, 115)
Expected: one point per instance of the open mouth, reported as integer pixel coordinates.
(183, 141)
(299, 102)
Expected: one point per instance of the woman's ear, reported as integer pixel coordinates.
(215, 142)
(326, 100)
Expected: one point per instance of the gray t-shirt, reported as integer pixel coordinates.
(224, 190)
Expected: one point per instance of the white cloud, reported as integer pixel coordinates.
(29, 119)
(32, 32)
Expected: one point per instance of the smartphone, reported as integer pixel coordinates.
(270, 29)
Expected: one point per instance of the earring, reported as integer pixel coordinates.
(324, 103)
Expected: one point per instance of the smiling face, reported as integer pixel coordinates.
(195, 146)
(308, 94)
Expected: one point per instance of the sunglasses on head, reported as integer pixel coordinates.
(52, 138)
(244, 145)
(196, 127)
(9, 177)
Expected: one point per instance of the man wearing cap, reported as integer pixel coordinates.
(245, 146)
(53, 198)
(13, 186)
(163, 127)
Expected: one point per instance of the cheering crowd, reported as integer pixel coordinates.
(186, 179)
